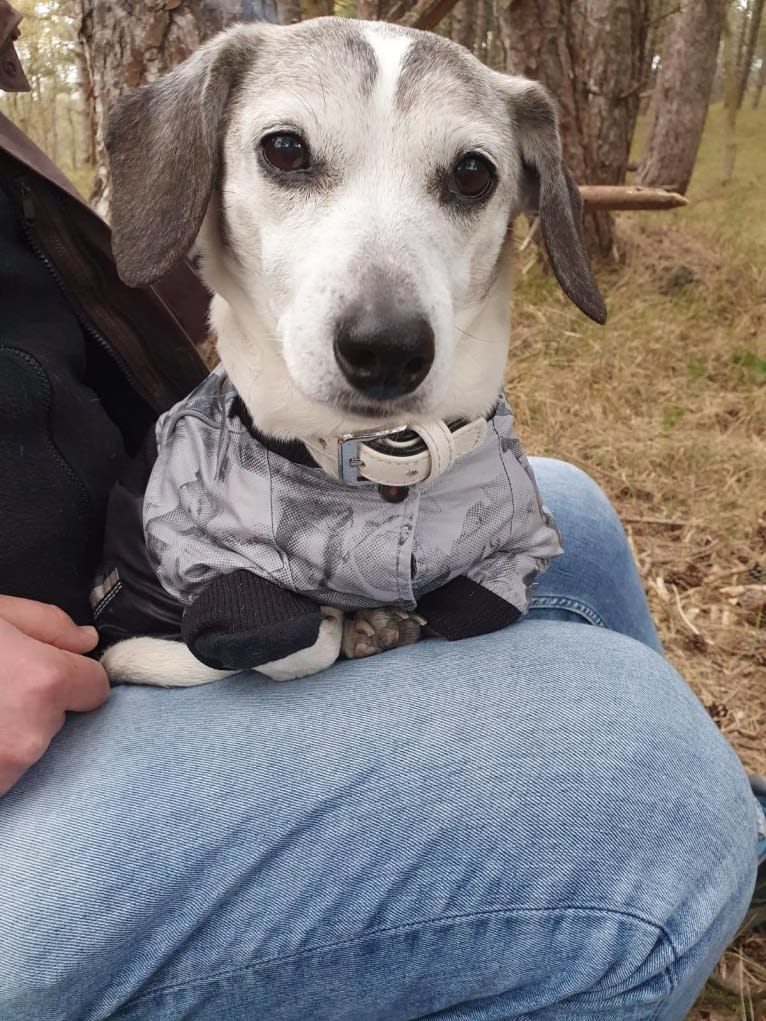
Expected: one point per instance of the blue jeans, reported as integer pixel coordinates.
(539, 824)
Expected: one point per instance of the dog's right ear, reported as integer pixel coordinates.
(164, 147)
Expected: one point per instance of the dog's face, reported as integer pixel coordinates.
(352, 185)
(369, 199)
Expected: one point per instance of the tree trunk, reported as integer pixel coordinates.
(495, 44)
(753, 30)
(682, 94)
(731, 51)
(615, 33)
(589, 53)
(741, 31)
(368, 10)
(464, 23)
(287, 12)
(84, 123)
(659, 15)
(760, 81)
(135, 41)
(424, 14)
(375, 10)
(648, 70)
(315, 9)
(480, 31)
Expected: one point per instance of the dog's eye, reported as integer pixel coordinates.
(286, 152)
(472, 177)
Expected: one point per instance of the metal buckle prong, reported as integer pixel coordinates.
(349, 460)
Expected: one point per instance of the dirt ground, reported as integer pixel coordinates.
(666, 408)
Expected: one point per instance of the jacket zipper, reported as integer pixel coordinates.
(46, 385)
(29, 218)
(155, 389)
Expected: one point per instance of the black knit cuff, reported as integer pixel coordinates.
(464, 609)
(241, 621)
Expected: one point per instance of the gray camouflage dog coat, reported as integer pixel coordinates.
(233, 541)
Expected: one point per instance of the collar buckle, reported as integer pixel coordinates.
(349, 461)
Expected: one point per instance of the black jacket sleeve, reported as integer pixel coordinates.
(240, 621)
(464, 609)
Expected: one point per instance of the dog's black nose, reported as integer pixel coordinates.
(384, 356)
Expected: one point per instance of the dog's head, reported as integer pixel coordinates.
(351, 186)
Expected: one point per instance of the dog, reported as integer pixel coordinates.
(348, 478)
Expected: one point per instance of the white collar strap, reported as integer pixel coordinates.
(402, 456)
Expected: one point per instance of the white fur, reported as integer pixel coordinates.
(159, 662)
(390, 50)
(167, 664)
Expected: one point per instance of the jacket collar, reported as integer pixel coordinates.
(393, 458)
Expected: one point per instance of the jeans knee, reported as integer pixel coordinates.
(565, 488)
(620, 791)
(597, 554)
(590, 784)
(671, 817)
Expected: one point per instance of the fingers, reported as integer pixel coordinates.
(47, 624)
(46, 679)
(81, 682)
(39, 684)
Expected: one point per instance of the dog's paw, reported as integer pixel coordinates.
(369, 632)
(322, 654)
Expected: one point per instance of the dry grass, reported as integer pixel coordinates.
(666, 408)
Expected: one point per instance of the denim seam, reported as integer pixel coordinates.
(567, 603)
(677, 955)
(668, 973)
(404, 927)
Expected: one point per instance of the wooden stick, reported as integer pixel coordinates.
(531, 235)
(629, 196)
(681, 613)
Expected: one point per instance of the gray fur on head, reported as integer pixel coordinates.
(551, 192)
(164, 144)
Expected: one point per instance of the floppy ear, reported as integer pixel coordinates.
(549, 190)
(164, 146)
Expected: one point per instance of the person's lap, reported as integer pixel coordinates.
(595, 580)
(542, 823)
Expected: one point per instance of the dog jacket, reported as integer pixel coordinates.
(237, 540)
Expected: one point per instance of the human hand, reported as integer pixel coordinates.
(43, 675)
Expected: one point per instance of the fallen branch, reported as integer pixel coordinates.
(629, 196)
(682, 615)
(531, 235)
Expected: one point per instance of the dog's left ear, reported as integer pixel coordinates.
(549, 190)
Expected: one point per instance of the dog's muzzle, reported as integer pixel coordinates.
(400, 457)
